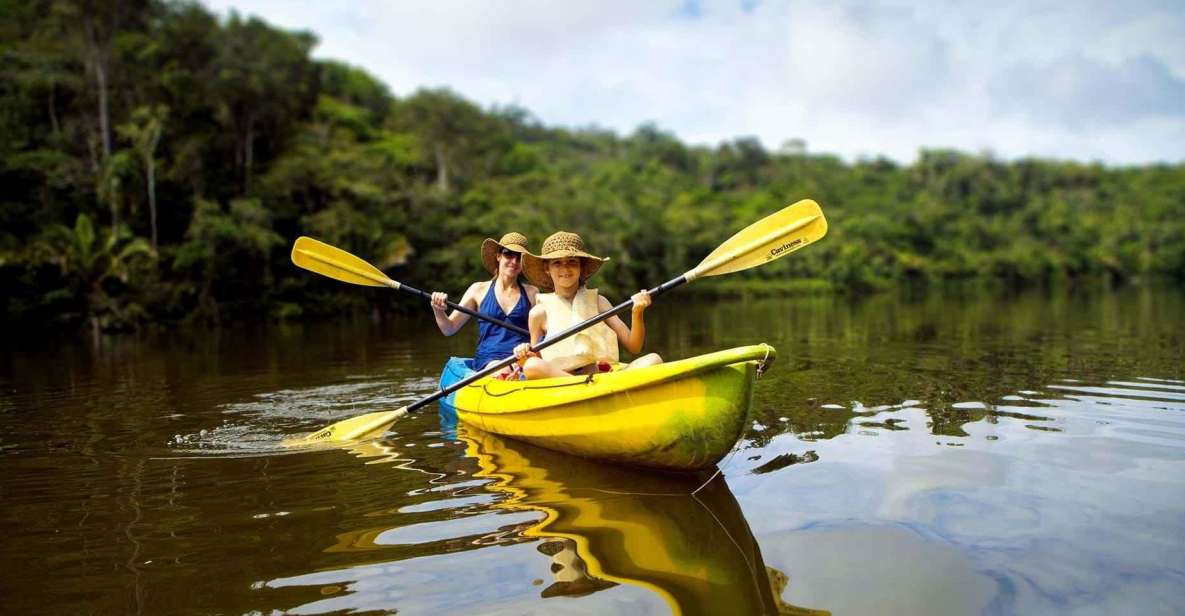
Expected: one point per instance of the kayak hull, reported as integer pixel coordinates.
(455, 369)
(682, 415)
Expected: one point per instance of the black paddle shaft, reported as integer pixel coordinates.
(618, 309)
(455, 306)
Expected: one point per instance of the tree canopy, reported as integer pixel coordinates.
(158, 162)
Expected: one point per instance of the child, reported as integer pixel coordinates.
(564, 267)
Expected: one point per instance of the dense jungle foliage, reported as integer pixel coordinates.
(157, 162)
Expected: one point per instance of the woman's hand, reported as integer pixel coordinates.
(641, 300)
(438, 300)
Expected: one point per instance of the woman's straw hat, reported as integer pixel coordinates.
(560, 245)
(511, 241)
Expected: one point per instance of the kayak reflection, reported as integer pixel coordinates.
(682, 536)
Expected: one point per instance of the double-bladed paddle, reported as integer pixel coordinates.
(772, 237)
(317, 256)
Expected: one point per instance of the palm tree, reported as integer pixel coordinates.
(88, 260)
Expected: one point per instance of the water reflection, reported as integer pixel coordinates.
(682, 537)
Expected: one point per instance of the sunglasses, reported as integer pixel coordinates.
(509, 254)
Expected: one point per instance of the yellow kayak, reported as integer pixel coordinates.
(681, 415)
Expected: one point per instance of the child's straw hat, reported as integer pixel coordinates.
(560, 245)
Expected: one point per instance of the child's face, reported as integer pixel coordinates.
(564, 272)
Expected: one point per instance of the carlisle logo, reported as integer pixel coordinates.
(773, 252)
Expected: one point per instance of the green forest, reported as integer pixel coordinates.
(158, 161)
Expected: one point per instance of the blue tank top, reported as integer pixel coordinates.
(494, 341)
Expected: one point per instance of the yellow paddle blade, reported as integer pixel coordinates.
(358, 428)
(772, 237)
(338, 264)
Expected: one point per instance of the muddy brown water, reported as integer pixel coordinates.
(943, 455)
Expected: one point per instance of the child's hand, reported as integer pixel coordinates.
(641, 300)
(438, 300)
(523, 351)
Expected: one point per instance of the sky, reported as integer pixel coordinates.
(1079, 80)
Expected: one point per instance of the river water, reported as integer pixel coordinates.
(938, 455)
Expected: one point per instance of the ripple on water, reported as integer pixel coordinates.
(1049, 490)
(1139, 411)
(260, 426)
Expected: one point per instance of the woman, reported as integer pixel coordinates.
(504, 298)
(563, 268)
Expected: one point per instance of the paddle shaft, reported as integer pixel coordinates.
(618, 309)
(337, 259)
(455, 306)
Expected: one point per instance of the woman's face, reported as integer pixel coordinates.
(509, 263)
(565, 273)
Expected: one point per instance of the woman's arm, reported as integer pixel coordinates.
(449, 324)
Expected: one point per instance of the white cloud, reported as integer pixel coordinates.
(1139, 88)
(878, 62)
(857, 79)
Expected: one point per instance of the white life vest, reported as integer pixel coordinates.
(597, 343)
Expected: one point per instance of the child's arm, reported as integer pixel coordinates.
(632, 338)
(537, 324)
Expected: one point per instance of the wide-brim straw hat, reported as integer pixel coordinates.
(511, 241)
(560, 245)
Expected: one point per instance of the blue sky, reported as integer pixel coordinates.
(1088, 80)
